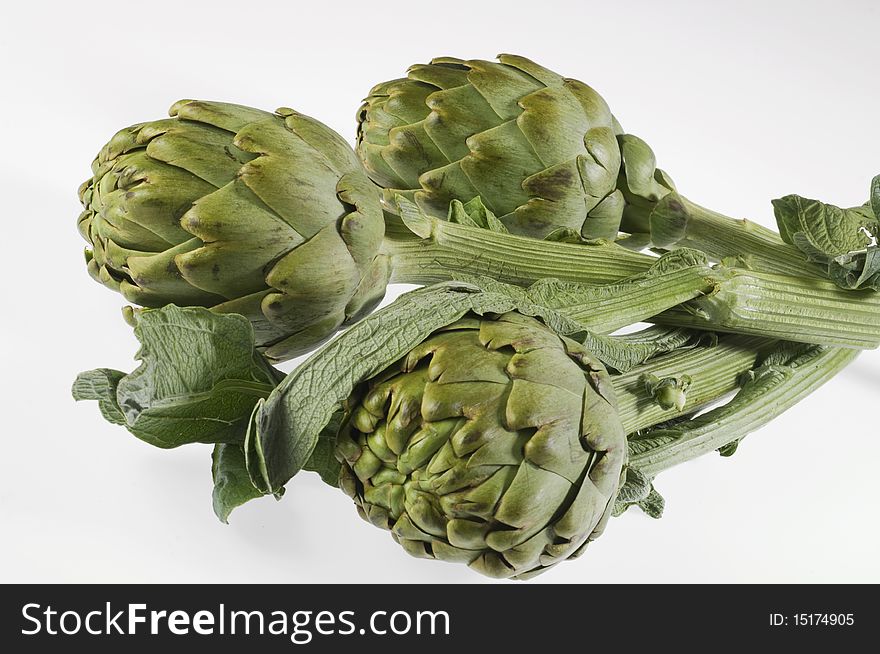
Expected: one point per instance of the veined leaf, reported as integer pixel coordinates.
(638, 491)
(844, 241)
(232, 484)
(101, 385)
(198, 381)
(323, 459)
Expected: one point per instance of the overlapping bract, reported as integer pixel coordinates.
(641, 182)
(267, 215)
(495, 443)
(539, 149)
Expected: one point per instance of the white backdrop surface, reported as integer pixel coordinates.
(742, 102)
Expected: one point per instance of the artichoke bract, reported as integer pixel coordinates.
(495, 442)
(268, 215)
(539, 149)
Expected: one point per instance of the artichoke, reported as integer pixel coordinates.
(495, 442)
(266, 215)
(545, 155)
(472, 431)
(539, 149)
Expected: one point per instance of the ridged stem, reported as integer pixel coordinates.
(790, 308)
(676, 222)
(799, 307)
(714, 371)
(604, 309)
(736, 419)
(444, 249)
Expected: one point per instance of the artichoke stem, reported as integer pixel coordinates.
(731, 422)
(714, 372)
(800, 309)
(453, 250)
(741, 300)
(676, 222)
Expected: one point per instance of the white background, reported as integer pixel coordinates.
(741, 103)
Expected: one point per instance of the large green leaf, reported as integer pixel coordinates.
(198, 381)
(842, 240)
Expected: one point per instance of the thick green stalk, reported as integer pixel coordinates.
(604, 309)
(790, 308)
(676, 222)
(800, 307)
(778, 389)
(714, 373)
(437, 250)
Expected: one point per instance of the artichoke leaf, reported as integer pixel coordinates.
(638, 491)
(843, 241)
(323, 459)
(626, 351)
(232, 484)
(652, 505)
(197, 383)
(101, 385)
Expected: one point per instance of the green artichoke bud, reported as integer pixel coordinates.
(266, 215)
(546, 156)
(495, 442)
(471, 431)
(539, 149)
